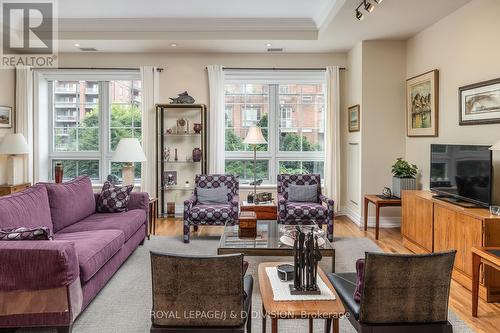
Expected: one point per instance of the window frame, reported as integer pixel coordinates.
(103, 79)
(273, 154)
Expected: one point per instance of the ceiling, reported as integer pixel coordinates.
(239, 25)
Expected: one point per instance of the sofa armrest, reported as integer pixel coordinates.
(139, 200)
(36, 265)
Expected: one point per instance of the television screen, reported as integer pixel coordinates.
(462, 172)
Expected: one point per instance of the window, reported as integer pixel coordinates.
(88, 118)
(291, 116)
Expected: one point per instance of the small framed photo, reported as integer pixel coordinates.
(169, 178)
(354, 118)
(480, 103)
(422, 104)
(5, 117)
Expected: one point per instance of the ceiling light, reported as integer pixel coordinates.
(269, 44)
(369, 7)
(378, 1)
(77, 45)
(173, 44)
(359, 15)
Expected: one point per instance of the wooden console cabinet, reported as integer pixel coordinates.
(432, 225)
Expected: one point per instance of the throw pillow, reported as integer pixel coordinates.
(358, 292)
(23, 233)
(303, 193)
(211, 196)
(114, 199)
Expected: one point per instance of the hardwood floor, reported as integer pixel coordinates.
(390, 241)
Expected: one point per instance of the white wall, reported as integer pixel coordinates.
(465, 47)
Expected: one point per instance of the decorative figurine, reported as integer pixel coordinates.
(196, 154)
(113, 179)
(306, 257)
(387, 193)
(181, 126)
(166, 154)
(182, 98)
(186, 184)
(250, 197)
(176, 158)
(197, 128)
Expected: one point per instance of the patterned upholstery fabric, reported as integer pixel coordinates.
(113, 199)
(218, 214)
(23, 233)
(319, 212)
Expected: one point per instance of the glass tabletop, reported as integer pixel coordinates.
(270, 236)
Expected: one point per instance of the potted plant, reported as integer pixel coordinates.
(403, 177)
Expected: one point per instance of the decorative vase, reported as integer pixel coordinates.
(58, 172)
(176, 158)
(171, 209)
(403, 184)
(197, 128)
(196, 154)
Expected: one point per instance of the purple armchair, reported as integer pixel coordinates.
(304, 212)
(196, 214)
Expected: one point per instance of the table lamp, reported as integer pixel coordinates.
(254, 137)
(14, 144)
(128, 151)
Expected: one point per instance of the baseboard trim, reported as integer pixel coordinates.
(385, 221)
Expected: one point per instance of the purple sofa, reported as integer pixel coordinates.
(50, 282)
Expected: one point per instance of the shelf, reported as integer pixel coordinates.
(178, 188)
(188, 162)
(181, 135)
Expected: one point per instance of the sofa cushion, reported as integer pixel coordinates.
(345, 284)
(210, 214)
(210, 196)
(301, 210)
(114, 199)
(93, 249)
(29, 208)
(23, 233)
(70, 202)
(128, 222)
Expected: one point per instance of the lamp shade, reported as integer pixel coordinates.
(14, 144)
(496, 146)
(254, 136)
(128, 150)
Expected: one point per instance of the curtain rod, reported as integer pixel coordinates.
(159, 69)
(279, 68)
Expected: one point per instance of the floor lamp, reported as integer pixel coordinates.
(254, 137)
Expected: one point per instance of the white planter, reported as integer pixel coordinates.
(403, 184)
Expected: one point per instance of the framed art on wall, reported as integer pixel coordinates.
(354, 118)
(479, 103)
(422, 104)
(5, 117)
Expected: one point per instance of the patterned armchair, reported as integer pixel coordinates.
(304, 212)
(196, 214)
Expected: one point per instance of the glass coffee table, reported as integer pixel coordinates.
(268, 242)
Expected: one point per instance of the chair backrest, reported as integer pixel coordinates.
(285, 180)
(213, 181)
(197, 291)
(402, 288)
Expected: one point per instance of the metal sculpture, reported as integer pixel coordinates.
(305, 259)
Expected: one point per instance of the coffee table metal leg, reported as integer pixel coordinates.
(335, 325)
(333, 262)
(311, 325)
(263, 319)
(274, 325)
(328, 325)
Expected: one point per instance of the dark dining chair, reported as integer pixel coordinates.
(200, 294)
(400, 293)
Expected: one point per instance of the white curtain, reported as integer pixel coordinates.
(150, 77)
(216, 116)
(24, 114)
(332, 145)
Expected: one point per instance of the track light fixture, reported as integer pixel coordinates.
(368, 6)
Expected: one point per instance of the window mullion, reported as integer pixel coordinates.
(104, 128)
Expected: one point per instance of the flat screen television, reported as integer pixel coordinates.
(462, 173)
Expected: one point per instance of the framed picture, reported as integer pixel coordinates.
(5, 117)
(354, 118)
(480, 103)
(169, 178)
(422, 104)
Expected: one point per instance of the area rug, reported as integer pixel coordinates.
(124, 305)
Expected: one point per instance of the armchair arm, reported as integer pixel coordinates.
(36, 265)
(235, 207)
(188, 204)
(330, 204)
(281, 207)
(236, 201)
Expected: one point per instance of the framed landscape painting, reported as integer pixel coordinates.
(354, 118)
(480, 103)
(422, 104)
(5, 117)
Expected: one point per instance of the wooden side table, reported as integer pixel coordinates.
(488, 256)
(378, 202)
(324, 309)
(267, 211)
(153, 213)
(9, 189)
